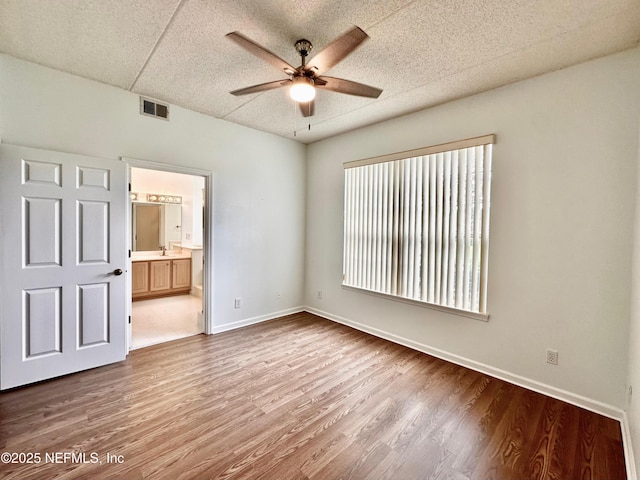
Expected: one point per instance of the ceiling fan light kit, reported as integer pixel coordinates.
(304, 80)
(302, 90)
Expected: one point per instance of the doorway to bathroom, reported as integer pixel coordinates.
(168, 249)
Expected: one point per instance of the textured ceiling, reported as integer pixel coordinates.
(421, 53)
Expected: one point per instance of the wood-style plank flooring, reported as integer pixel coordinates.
(298, 398)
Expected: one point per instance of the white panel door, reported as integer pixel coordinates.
(62, 288)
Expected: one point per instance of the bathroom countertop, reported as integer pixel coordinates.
(146, 257)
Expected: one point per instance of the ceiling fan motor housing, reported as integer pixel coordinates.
(303, 47)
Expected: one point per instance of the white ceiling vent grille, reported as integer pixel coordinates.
(152, 108)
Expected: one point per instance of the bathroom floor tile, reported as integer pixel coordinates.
(164, 319)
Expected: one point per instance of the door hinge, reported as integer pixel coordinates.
(129, 186)
(129, 318)
(129, 253)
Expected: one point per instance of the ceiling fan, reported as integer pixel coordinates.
(307, 77)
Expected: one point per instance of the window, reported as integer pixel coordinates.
(416, 225)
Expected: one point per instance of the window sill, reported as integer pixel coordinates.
(484, 317)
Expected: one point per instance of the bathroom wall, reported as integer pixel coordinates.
(189, 187)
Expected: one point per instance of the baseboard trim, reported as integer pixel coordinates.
(627, 445)
(253, 320)
(557, 393)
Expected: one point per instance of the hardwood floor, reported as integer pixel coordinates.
(298, 398)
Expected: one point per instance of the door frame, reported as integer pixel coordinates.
(207, 238)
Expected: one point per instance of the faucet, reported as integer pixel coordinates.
(164, 250)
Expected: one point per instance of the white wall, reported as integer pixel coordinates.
(633, 380)
(562, 216)
(258, 177)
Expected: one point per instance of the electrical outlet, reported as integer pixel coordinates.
(237, 303)
(319, 294)
(278, 295)
(552, 356)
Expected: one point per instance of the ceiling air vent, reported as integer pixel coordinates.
(152, 108)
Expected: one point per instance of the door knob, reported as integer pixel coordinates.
(117, 272)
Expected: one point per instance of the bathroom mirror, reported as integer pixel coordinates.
(155, 225)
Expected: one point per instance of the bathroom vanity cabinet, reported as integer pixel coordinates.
(160, 278)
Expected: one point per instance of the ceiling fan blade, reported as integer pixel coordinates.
(261, 52)
(308, 109)
(336, 51)
(261, 87)
(341, 85)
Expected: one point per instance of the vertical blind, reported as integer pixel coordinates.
(417, 226)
